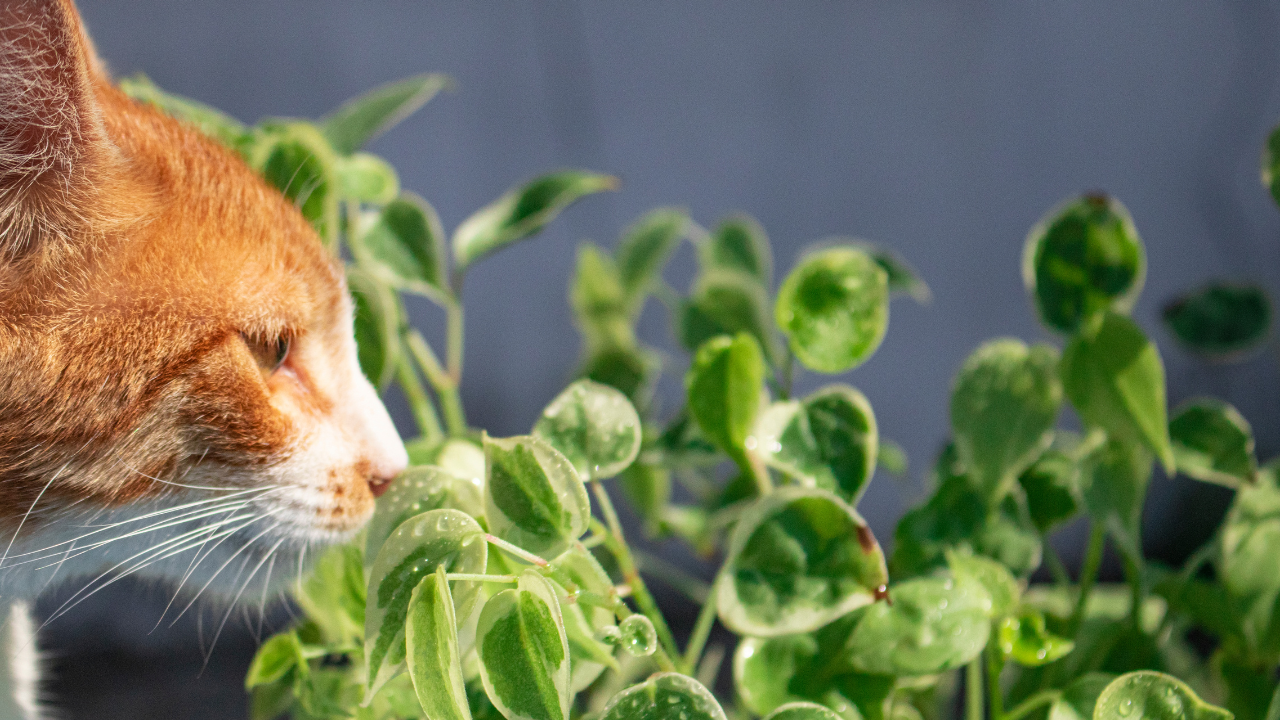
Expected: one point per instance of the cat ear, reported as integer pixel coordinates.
(52, 141)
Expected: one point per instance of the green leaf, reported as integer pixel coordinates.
(333, 596)
(208, 120)
(933, 624)
(958, 517)
(524, 654)
(581, 567)
(995, 577)
(797, 559)
(1246, 566)
(834, 309)
(1213, 442)
(416, 491)
(447, 538)
(599, 302)
(664, 696)
(1079, 698)
(463, 459)
(802, 711)
(295, 158)
(434, 660)
(1003, 408)
(1083, 258)
(534, 496)
(403, 245)
(1271, 164)
(903, 278)
(1051, 487)
(1025, 640)
(763, 669)
(366, 178)
(1114, 377)
(829, 440)
(634, 371)
(361, 119)
(725, 302)
(1113, 483)
(644, 250)
(594, 426)
(892, 457)
(588, 656)
(1221, 321)
(648, 488)
(1152, 695)
(724, 386)
(522, 212)
(740, 244)
(277, 656)
(377, 326)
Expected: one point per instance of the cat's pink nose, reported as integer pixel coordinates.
(378, 486)
(382, 474)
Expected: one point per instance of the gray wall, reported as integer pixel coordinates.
(945, 129)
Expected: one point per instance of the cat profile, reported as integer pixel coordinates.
(179, 391)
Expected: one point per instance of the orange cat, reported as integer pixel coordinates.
(179, 391)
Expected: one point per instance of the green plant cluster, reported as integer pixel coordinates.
(485, 585)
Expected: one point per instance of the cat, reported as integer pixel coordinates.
(179, 391)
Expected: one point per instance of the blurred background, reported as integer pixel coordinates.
(941, 129)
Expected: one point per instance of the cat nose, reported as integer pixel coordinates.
(388, 461)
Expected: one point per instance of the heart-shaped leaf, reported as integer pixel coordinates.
(1150, 695)
(829, 440)
(1079, 698)
(534, 498)
(1081, 259)
(594, 426)
(1025, 640)
(403, 244)
(524, 654)
(797, 559)
(414, 492)
(664, 696)
(802, 711)
(933, 624)
(361, 119)
(740, 244)
(725, 385)
(1213, 442)
(447, 538)
(434, 660)
(725, 302)
(1114, 377)
(834, 309)
(1221, 321)
(377, 326)
(1003, 407)
(521, 212)
(644, 250)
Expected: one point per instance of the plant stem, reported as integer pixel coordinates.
(692, 587)
(1088, 574)
(473, 577)
(1040, 699)
(764, 484)
(424, 412)
(1056, 567)
(443, 382)
(516, 550)
(453, 314)
(995, 698)
(617, 546)
(973, 690)
(701, 631)
(1137, 594)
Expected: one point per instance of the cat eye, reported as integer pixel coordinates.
(270, 354)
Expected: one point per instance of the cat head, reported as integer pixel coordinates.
(176, 354)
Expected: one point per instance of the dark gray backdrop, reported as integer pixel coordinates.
(944, 129)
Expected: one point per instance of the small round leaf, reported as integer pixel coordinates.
(724, 386)
(1025, 640)
(433, 657)
(414, 492)
(829, 440)
(1222, 321)
(1213, 442)
(664, 696)
(524, 654)
(1003, 407)
(798, 559)
(1079, 698)
(834, 309)
(377, 326)
(403, 244)
(534, 498)
(594, 426)
(1082, 258)
(1150, 695)
(934, 624)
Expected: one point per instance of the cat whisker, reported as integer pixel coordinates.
(222, 567)
(236, 599)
